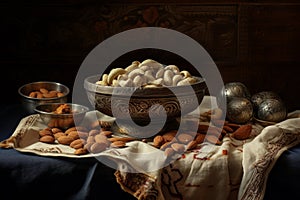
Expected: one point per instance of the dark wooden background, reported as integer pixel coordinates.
(255, 42)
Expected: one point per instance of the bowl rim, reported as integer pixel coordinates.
(86, 109)
(47, 82)
(151, 91)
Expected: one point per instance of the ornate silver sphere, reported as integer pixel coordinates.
(259, 97)
(239, 110)
(236, 89)
(272, 110)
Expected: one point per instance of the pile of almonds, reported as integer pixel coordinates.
(82, 139)
(173, 142)
(97, 139)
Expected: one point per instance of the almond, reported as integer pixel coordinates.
(47, 139)
(73, 134)
(65, 140)
(81, 151)
(100, 138)
(200, 138)
(76, 128)
(228, 129)
(82, 134)
(185, 137)
(56, 130)
(88, 145)
(169, 152)
(98, 147)
(106, 133)
(118, 144)
(192, 145)
(202, 128)
(45, 131)
(94, 132)
(76, 144)
(213, 139)
(179, 148)
(168, 136)
(165, 145)
(58, 134)
(158, 141)
(125, 139)
(233, 126)
(243, 132)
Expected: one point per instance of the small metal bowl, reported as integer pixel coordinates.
(30, 103)
(63, 121)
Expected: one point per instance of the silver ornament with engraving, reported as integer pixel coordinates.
(272, 110)
(259, 97)
(239, 110)
(236, 89)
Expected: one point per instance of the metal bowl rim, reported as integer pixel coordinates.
(47, 82)
(85, 109)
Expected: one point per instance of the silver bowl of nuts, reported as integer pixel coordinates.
(37, 93)
(61, 115)
(135, 92)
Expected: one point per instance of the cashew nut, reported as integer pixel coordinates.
(132, 67)
(185, 73)
(168, 75)
(126, 83)
(160, 73)
(134, 73)
(152, 64)
(114, 73)
(176, 79)
(174, 68)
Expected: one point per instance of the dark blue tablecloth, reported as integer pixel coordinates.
(32, 176)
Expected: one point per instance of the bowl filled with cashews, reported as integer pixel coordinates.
(41, 92)
(145, 92)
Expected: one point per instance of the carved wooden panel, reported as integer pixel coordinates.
(66, 32)
(213, 27)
